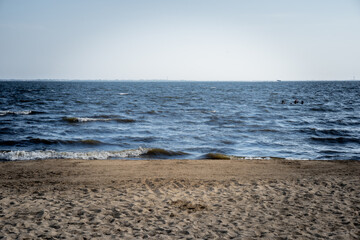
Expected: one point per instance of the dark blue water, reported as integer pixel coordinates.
(100, 120)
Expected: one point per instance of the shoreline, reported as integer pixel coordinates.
(173, 199)
(140, 153)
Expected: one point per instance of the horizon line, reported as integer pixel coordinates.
(170, 80)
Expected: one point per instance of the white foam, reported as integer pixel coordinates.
(50, 154)
(26, 112)
(123, 93)
(93, 119)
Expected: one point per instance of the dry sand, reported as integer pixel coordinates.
(180, 199)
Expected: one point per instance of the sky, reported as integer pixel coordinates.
(232, 40)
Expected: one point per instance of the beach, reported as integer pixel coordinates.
(179, 199)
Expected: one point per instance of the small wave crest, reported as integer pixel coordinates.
(86, 119)
(25, 112)
(80, 120)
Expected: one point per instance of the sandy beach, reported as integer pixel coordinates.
(179, 199)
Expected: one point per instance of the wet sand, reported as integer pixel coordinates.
(180, 199)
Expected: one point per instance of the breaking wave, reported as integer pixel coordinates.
(86, 119)
(93, 155)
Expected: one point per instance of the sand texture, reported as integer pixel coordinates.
(180, 199)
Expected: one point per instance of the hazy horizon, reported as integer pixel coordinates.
(176, 80)
(183, 40)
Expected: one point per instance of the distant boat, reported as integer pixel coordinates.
(278, 80)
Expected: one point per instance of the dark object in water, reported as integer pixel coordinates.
(302, 102)
(283, 102)
(296, 101)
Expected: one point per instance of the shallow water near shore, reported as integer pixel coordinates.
(104, 120)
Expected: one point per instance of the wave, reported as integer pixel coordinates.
(86, 119)
(124, 120)
(340, 140)
(151, 112)
(139, 153)
(80, 120)
(93, 155)
(323, 109)
(6, 130)
(25, 112)
(216, 156)
(50, 142)
(264, 130)
(9, 143)
(50, 154)
(105, 116)
(331, 152)
(160, 153)
(334, 132)
(219, 156)
(90, 142)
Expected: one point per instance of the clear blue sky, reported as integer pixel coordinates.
(182, 39)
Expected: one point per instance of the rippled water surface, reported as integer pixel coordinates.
(99, 120)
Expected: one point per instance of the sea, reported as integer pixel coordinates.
(304, 120)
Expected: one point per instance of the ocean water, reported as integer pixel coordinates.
(107, 120)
